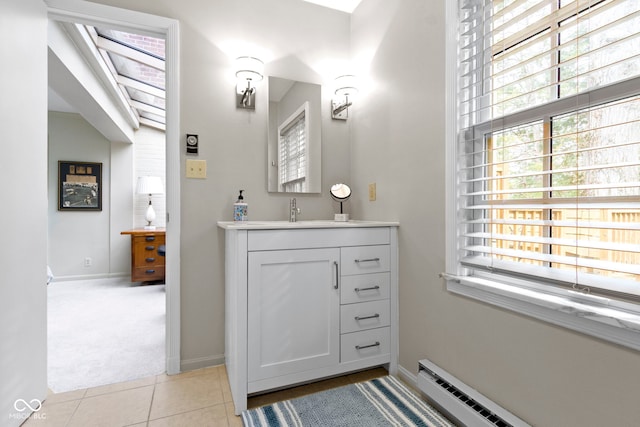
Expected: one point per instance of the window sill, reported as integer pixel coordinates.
(603, 321)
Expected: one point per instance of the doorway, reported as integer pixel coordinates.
(136, 22)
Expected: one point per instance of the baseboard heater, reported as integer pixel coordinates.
(461, 403)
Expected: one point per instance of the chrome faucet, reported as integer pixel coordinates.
(293, 210)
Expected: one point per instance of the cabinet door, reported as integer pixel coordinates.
(293, 311)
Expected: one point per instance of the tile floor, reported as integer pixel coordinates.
(196, 398)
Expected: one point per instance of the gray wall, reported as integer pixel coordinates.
(76, 235)
(547, 375)
(23, 224)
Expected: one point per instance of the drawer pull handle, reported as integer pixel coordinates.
(372, 288)
(150, 272)
(358, 261)
(337, 285)
(150, 238)
(150, 259)
(150, 248)
(360, 347)
(373, 316)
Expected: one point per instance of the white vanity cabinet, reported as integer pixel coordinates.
(305, 301)
(293, 312)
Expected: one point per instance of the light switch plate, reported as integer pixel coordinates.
(372, 192)
(196, 169)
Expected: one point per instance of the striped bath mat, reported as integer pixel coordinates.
(379, 402)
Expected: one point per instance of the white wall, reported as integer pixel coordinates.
(547, 375)
(300, 41)
(150, 160)
(23, 225)
(121, 201)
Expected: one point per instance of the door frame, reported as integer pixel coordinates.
(77, 11)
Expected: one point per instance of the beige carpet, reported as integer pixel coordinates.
(103, 332)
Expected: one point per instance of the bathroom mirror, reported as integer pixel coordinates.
(340, 193)
(294, 140)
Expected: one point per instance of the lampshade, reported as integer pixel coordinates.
(149, 185)
(249, 68)
(345, 85)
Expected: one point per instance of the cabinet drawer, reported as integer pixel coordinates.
(145, 274)
(364, 344)
(364, 287)
(157, 239)
(364, 259)
(365, 315)
(306, 238)
(148, 258)
(144, 250)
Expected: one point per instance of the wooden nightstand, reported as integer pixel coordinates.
(146, 264)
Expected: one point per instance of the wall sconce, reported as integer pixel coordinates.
(150, 185)
(345, 86)
(248, 71)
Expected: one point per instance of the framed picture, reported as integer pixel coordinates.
(79, 186)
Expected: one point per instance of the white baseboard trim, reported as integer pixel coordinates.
(173, 365)
(408, 377)
(88, 277)
(201, 362)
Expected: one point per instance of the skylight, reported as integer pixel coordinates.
(137, 63)
(344, 5)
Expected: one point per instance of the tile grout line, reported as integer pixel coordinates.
(153, 395)
(190, 411)
(75, 410)
(200, 374)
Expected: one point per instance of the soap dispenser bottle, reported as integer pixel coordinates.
(240, 209)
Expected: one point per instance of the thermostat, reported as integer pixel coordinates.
(192, 144)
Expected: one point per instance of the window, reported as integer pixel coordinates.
(137, 65)
(545, 154)
(292, 151)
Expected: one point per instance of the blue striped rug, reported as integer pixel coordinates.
(379, 402)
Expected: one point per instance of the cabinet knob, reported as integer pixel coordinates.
(150, 238)
(150, 272)
(150, 259)
(150, 248)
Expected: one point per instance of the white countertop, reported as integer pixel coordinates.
(326, 223)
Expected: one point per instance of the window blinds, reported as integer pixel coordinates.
(292, 151)
(549, 141)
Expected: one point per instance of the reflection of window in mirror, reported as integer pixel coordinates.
(292, 151)
(294, 136)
